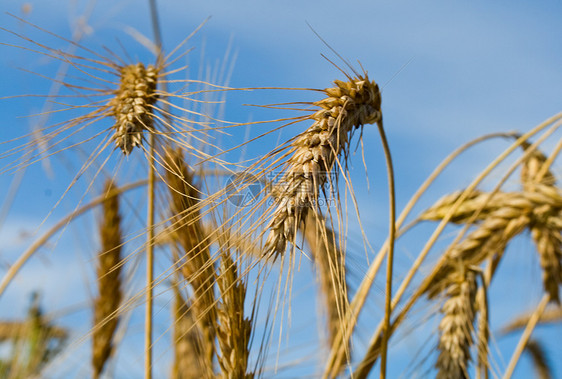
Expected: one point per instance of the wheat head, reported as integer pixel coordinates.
(195, 262)
(348, 106)
(234, 329)
(132, 103)
(329, 262)
(189, 360)
(457, 325)
(109, 283)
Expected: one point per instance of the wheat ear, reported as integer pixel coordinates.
(349, 105)
(330, 264)
(196, 264)
(457, 325)
(234, 330)
(188, 354)
(546, 227)
(490, 237)
(475, 203)
(132, 103)
(109, 283)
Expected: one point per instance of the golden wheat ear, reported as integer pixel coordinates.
(109, 280)
(234, 329)
(456, 327)
(131, 105)
(546, 223)
(189, 361)
(195, 262)
(329, 262)
(348, 106)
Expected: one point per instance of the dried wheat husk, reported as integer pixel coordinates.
(348, 106)
(195, 263)
(109, 280)
(456, 327)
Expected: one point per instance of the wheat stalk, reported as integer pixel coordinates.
(349, 105)
(457, 325)
(109, 283)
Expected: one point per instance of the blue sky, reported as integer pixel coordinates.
(449, 72)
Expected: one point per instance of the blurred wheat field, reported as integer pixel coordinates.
(194, 197)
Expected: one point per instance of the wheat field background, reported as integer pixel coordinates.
(447, 74)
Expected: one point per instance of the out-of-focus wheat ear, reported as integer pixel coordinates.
(109, 281)
(546, 227)
(456, 327)
(548, 239)
(329, 261)
(234, 330)
(189, 360)
(483, 333)
(132, 105)
(489, 239)
(476, 202)
(348, 106)
(196, 265)
(540, 359)
(531, 167)
(550, 315)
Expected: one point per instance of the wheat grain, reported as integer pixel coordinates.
(349, 105)
(109, 283)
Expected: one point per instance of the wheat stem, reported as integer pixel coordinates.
(149, 262)
(390, 256)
